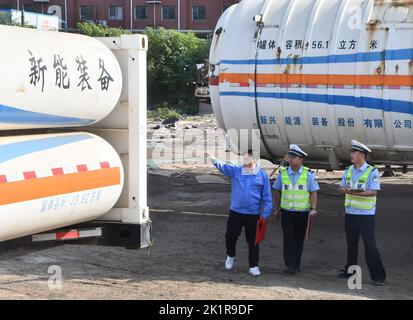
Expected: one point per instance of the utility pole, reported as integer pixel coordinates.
(131, 15)
(22, 15)
(66, 15)
(154, 15)
(179, 15)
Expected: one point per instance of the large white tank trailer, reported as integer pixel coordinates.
(317, 73)
(73, 138)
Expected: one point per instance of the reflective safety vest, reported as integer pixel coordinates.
(295, 197)
(357, 202)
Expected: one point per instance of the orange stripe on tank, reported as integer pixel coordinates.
(26, 190)
(315, 79)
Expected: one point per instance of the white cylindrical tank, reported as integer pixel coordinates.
(52, 181)
(317, 73)
(53, 79)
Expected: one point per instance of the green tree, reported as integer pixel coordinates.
(172, 59)
(97, 30)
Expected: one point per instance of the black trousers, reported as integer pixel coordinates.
(364, 226)
(234, 227)
(294, 225)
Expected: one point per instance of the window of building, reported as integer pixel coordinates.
(198, 13)
(115, 13)
(168, 12)
(141, 13)
(86, 13)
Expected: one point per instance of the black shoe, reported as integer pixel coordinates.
(298, 270)
(344, 274)
(291, 271)
(379, 283)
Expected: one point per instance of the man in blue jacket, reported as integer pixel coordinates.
(250, 196)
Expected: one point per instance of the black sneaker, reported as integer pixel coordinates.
(290, 271)
(344, 274)
(379, 283)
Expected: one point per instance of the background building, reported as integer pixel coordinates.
(198, 15)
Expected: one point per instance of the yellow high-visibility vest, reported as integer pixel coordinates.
(295, 197)
(357, 202)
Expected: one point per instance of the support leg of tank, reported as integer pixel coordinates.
(332, 158)
(388, 172)
(227, 143)
(130, 236)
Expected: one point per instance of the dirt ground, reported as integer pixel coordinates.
(189, 206)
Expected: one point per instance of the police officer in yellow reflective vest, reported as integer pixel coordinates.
(360, 184)
(294, 198)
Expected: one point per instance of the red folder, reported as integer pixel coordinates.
(311, 220)
(261, 227)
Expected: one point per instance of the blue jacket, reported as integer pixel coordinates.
(251, 192)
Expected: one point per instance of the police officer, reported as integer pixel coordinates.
(295, 197)
(361, 184)
(251, 194)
